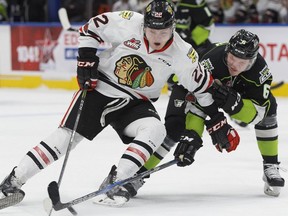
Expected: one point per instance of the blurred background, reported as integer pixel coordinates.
(224, 11)
(37, 52)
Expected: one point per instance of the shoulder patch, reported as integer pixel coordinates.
(264, 74)
(192, 54)
(126, 14)
(207, 64)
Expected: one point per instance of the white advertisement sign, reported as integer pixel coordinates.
(54, 50)
(273, 45)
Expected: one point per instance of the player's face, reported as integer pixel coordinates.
(237, 65)
(157, 38)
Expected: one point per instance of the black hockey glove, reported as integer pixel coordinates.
(87, 64)
(189, 144)
(223, 135)
(226, 98)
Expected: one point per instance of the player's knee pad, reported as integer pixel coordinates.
(267, 128)
(268, 122)
(154, 131)
(148, 135)
(148, 130)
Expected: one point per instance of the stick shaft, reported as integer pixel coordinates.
(63, 17)
(277, 85)
(58, 205)
(64, 20)
(83, 96)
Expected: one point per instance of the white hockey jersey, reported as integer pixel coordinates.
(130, 69)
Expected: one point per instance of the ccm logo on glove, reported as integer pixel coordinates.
(85, 64)
(217, 126)
(87, 71)
(223, 135)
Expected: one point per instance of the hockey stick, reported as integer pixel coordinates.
(53, 189)
(63, 17)
(277, 85)
(83, 96)
(12, 199)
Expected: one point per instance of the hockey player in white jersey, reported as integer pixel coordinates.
(123, 81)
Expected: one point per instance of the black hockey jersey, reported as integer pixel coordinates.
(253, 84)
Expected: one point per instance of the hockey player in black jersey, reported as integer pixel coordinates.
(243, 91)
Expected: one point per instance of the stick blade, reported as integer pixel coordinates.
(277, 85)
(53, 191)
(12, 200)
(48, 206)
(63, 17)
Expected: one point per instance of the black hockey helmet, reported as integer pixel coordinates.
(159, 14)
(243, 44)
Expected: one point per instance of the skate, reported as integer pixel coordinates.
(134, 186)
(273, 181)
(117, 196)
(10, 192)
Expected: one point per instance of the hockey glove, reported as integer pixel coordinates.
(226, 98)
(189, 144)
(87, 70)
(223, 135)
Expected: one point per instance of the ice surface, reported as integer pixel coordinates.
(215, 185)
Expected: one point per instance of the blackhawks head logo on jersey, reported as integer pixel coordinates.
(133, 71)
